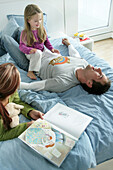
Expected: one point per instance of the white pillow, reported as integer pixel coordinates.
(9, 30)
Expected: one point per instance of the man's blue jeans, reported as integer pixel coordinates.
(12, 47)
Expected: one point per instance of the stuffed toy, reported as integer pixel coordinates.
(82, 36)
(14, 110)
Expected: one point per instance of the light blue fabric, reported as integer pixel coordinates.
(8, 30)
(10, 27)
(18, 18)
(95, 144)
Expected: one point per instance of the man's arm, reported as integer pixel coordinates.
(58, 84)
(72, 51)
(36, 86)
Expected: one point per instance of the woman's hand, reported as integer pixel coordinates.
(55, 51)
(35, 114)
(30, 123)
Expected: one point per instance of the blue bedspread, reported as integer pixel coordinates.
(95, 144)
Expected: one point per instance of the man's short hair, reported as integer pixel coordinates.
(97, 87)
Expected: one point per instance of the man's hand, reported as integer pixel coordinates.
(65, 42)
(34, 114)
(32, 51)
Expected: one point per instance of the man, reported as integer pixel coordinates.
(60, 73)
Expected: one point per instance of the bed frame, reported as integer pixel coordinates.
(58, 20)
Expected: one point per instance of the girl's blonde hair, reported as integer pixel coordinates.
(9, 82)
(29, 11)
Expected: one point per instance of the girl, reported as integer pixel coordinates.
(9, 82)
(33, 38)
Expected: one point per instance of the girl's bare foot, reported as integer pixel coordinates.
(65, 41)
(31, 75)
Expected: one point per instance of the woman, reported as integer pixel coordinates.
(9, 83)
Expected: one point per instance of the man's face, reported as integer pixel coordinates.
(95, 74)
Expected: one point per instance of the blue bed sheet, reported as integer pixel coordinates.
(95, 144)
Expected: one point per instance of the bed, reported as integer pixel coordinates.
(95, 145)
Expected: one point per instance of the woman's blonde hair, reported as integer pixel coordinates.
(29, 11)
(9, 82)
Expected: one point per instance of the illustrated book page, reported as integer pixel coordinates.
(48, 140)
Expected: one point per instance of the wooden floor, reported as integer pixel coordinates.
(104, 49)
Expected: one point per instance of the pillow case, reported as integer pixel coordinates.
(20, 20)
(9, 29)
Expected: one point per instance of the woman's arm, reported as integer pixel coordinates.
(14, 132)
(27, 108)
(28, 112)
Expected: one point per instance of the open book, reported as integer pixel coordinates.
(57, 134)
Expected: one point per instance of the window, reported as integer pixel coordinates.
(94, 15)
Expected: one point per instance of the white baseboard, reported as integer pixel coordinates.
(102, 36)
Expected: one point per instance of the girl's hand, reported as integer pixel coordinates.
(33, 50)
(35, 114)
(55, 51)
